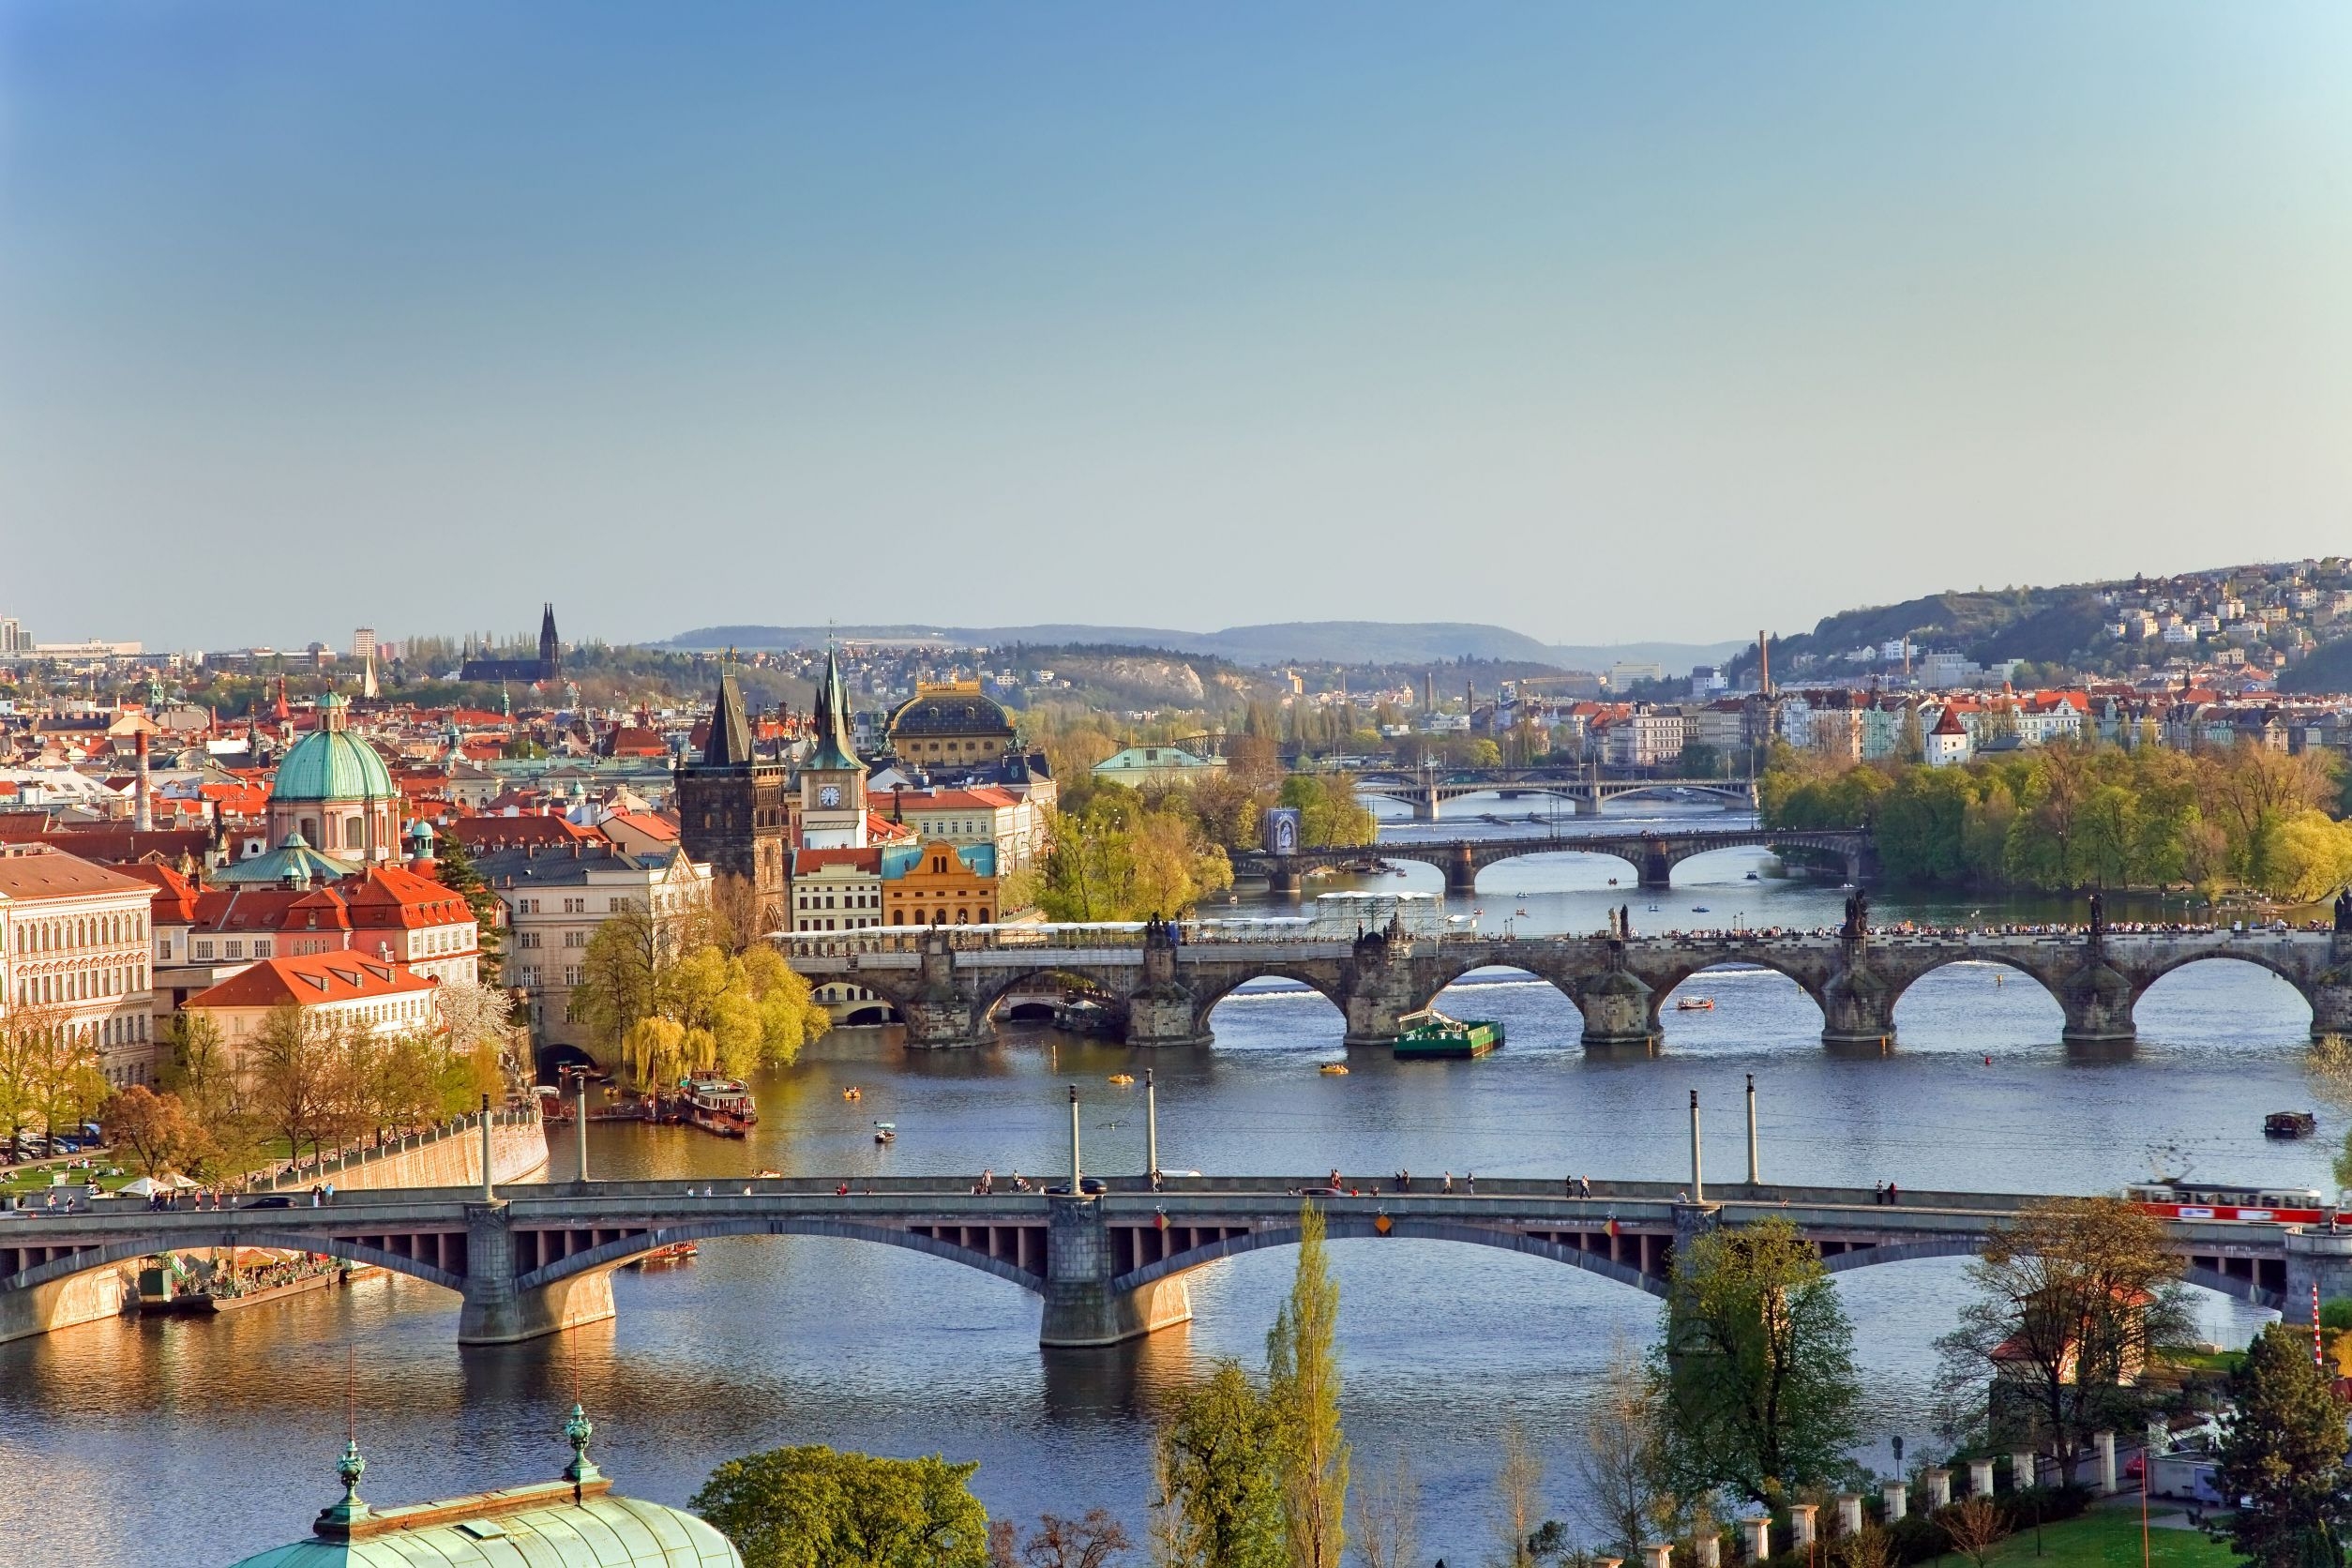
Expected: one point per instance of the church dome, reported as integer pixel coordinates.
(331, 764)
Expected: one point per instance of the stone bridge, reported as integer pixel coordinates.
(946, 983)
(1653, 855)
(1427, 789)
(1107, 1268)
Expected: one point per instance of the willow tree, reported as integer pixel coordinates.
(1757, 1365)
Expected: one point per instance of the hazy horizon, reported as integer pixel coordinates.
(1604, 324)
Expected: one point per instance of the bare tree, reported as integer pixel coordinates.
(1621, 1469)
(1974, 1527)
(1517, 1507)
(1868, 1548)
(1388, 1517)
(1092, 1542)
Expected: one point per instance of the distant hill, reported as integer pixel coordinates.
(1295, 641)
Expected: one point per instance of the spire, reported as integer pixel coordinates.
(729, 742)
(832, 717)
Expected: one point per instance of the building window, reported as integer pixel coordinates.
(203, 950)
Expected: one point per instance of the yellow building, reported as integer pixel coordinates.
(948, 884)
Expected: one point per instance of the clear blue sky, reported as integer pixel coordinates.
(1599, 321)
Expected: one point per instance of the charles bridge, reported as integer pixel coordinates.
(1653, 855)
(1427, 790)
(1167, 979)
(532, 1260)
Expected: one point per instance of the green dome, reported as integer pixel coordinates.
(332, 764)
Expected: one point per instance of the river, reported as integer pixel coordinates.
(191, 1440)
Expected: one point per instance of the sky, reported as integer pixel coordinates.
(1603, 321)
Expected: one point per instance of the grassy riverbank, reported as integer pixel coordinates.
(2110, 1538)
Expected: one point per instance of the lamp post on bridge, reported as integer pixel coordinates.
(1150, 1126)
(1077, 1186)
(1754, 1177)
(1698, 1184)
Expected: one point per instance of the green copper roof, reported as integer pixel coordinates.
(274, 869)
(605, 1531)
(332, 764)
(833, 751)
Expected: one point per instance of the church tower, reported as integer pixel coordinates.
(832, 779)
(733, 812)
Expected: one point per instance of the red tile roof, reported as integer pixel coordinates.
(312, 980)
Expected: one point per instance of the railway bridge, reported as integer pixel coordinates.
(1106, 1267)
(1427, 789)
(1653, 855)
(945, 983)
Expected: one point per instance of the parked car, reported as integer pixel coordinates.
(268, 1200)
(1093, 1184)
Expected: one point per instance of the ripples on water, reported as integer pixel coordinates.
(188, 1440)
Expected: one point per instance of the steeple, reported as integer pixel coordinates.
(729, 742)
(834, 750)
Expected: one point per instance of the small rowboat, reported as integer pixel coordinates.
(1695, 1004)
(1123, 1079)
(1333, 1069)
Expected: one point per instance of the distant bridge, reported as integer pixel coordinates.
(945, 983)
(538, 1259)
(1653, 855)
(1427, 790)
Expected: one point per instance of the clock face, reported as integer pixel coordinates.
(830, 795)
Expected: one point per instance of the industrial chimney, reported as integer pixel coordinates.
(142, 813)
(1764, 663)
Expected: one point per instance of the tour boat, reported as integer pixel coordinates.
(663, 1256)
(1695, 1004)
(719, 1105)
(2289, 1123)
(1430, 1035)
(885, 1132)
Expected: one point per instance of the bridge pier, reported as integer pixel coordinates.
(2330, 993)
(1082, 1311)
(85, 1297)
(1426, 806)
(942, 1014)
(1619, 1010)
(2316, 1257)
(496, 1311)
(1657, 871)
(1162, 1011)
(1461, 871)
(2096, 1002)
(1282, 877)
(1857, 1005)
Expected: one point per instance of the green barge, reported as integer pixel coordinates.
(1431, 1037)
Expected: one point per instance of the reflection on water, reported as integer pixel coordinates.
(124, 1443)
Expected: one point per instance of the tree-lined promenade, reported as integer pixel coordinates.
(2072, 816)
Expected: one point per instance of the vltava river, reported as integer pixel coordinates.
(181, 1441)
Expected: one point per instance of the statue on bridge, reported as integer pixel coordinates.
(2344, 910)
(2099, 916)
(1857, 916)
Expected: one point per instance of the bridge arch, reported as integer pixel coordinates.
(2146, 979)
(1900, 981)
(1665, 983)
(131, 1248)
(1357, 1227)
(1207, 991)
(2035, 1016)
(613, 1254)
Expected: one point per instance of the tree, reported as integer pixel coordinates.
(1302, 1388)
(453, 868)
(1387, 1534)
(27, 1045)
(1516, 1503)
(1622, 1471)
(297, 1075)
(1700, 760)
(1974, 1527)
(1092, 1542)
(816, 1507)
(1757, 1365)
(1221, 1478)
(2078, 1294)
(154, 1127)
(2282, 1449)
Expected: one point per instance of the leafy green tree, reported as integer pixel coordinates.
(1302, 1388)
(2283, 1447)
(817, 1507)
(1221, 1478)
(1329, 812)
(454, 869)
(1701, 761)
(1128, 856)
(1757, 1365)
(2079, 1293)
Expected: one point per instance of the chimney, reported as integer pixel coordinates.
(142, 814)
(1764, 663)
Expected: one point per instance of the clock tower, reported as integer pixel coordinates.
(832, 779)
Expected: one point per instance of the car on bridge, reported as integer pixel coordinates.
(1093, 1185)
